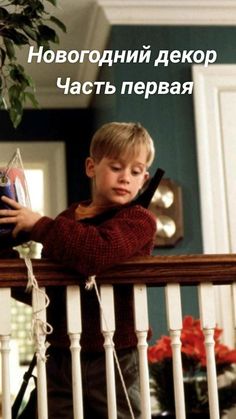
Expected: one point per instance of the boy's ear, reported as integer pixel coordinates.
(146, 179)
(90, 167)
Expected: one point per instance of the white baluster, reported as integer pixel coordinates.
(207, 314)
(141, 328)
(108, 328)
(39, 315)
(174, 319)
(5, 330)
(74, 328)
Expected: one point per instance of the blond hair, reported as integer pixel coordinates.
(121, 138)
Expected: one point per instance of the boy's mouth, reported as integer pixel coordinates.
(121, 191)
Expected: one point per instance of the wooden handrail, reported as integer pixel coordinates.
(151, 270)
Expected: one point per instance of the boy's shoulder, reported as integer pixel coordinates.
(136, 209)
(138, 213)
(133, 213)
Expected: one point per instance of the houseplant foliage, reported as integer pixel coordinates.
(194, 371)
(22, 22)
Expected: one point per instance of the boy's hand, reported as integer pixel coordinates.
(23, 218)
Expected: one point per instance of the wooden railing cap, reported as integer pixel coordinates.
(152, 270)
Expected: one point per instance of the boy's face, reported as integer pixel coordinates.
(117, 181)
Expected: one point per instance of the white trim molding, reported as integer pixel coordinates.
(209, 84)
(169, 12)
(214, 99)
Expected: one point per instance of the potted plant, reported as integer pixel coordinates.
(194, 371)
(22, 22)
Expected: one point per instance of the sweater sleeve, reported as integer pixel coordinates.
(90, 249)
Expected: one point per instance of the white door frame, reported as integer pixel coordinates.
(211, 86)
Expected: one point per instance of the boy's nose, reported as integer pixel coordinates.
(125, 177)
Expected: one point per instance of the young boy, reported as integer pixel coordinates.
(90, 237)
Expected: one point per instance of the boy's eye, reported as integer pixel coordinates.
(115, 168)
(136, 172)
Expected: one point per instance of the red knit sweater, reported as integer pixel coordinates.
(89, 249)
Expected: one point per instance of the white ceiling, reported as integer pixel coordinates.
(88, 24)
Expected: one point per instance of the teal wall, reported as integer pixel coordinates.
(170, 121)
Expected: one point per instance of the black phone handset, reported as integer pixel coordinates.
(145, 197)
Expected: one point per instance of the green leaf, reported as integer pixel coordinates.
(17, 20)
(30, 32)
(1, 102)
(29, 81)
(16, 115)
(20, 38)
(17, 37)
(14, 93)
(44, 44)
(17, 74)
(34, 9)
(10, 50)
(4, 14)
(32, 98)
(16, 103)
(2, 56)
(19, 2)
(47, 34)
(54, 2)
(58, 22)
